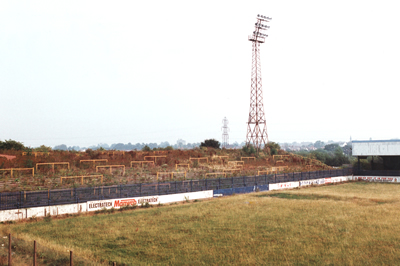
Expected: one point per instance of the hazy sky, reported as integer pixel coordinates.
(89, 72)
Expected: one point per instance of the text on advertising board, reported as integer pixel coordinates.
(100, 205)
(376, 178)
(149, 200)
(132, 202)
(124, 202)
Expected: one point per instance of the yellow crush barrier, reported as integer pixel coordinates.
(279, 156)
(81, 177)
(111, 166)
(219, 157)
(141, 162)
(36, 153)
(170, 173)
(160, 152)
(279, 168)
(266, 172)
(18, 169)
(272, 170)
(236, 162)
(198, 159)
(231, 170)
(248, 158)
(113, 152)
(181, 164)
(94, 161)
(155, 157)
(52, 164)
(224, 174)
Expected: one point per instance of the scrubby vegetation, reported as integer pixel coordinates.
(11, 145)
(211, 143)
(165, 161)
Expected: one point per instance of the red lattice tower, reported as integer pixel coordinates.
(256, 125)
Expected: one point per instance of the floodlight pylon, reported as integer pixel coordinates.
(256, 124)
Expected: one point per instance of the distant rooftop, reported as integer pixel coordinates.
(388, 140)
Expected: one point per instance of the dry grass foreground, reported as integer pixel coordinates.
(353, 224)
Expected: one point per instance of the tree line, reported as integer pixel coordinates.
(331, 154)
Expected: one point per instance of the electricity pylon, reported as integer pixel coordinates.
(225, 136)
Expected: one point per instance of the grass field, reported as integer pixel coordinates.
(353, 224)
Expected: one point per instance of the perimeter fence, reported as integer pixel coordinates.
(30, 199)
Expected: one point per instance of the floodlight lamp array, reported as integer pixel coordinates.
(263, 17)
(260, 34)
(262, 26)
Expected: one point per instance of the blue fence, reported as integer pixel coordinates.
(226, 186)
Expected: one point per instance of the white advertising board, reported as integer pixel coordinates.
(319, 181)
(378, 178)
(283, 185)
(118, 203)
(336, 179)
(17, 214)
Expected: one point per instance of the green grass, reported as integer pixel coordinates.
(297, 196)
(352, 224)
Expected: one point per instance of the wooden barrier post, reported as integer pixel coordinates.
(34, 253)
(71, 262)
(9, 250)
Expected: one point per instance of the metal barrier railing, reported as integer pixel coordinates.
(29, 199)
